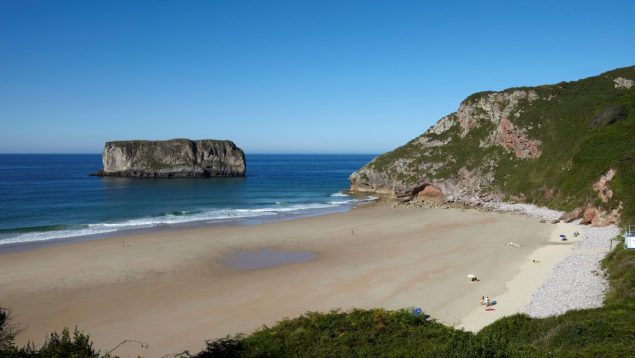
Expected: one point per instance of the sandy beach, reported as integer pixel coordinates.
(175, 289)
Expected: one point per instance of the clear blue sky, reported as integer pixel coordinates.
(281, 76)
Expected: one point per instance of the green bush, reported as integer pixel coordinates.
(64, 345)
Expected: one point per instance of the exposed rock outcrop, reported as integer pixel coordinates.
(573, 215)
(515, 140)
(406, 174)
(172, 158)
(622, 82)
(609, 115)
(592, 214)
(491, 107)
(600, 217)
(536, 145)
(601, 187)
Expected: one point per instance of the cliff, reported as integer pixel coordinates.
(569, 146)
(172, 158)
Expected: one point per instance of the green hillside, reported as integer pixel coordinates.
(580, 129)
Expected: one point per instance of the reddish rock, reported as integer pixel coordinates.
(602, 186)
(515, 140)
(606, 218)
(599, 217)
(602, 219)
(588, 215)
(575, 214)
(430, 193)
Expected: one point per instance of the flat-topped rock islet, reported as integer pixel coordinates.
(172, 158)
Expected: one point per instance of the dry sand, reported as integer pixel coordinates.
(175, 289)
(533, 273)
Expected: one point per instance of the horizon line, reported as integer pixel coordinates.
(53, 153)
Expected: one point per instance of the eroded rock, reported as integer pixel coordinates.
(430, 192)
(609, 115)
(172, 158)
(599, 217)
(601, 187)
(515, 140)
(622, 82)
(573, 215)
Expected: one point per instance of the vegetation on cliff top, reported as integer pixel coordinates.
(575, 150)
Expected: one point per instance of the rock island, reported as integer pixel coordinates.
(172, 158)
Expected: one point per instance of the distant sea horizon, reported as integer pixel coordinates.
(49, 197)
(246, 153)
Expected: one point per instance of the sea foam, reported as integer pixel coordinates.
(173, 218)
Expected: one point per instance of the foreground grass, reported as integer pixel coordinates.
(603, 332)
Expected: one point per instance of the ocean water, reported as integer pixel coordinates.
(49, 197)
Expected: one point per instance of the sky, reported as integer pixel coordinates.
(281, 76)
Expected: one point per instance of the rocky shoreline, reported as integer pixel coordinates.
(541, 213)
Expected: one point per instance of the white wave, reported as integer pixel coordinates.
(339, 194)
(178, 218)
(340, 202)
(50, 235)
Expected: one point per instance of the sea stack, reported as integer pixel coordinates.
(174, 158)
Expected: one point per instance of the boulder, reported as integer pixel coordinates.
(589, 214)
(430, 192)
(575, 214)
(599, 217)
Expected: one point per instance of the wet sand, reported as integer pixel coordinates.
(175, 289)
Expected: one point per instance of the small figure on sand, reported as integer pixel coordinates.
(485, 301)
(473, 278)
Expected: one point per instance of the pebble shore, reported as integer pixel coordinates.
(576, 282)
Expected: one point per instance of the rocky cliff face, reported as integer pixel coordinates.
(172, 158)
(549, 145)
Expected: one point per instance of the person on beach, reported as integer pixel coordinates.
(487, 302)
(482, 300)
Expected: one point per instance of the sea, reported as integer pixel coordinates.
(51, 197)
